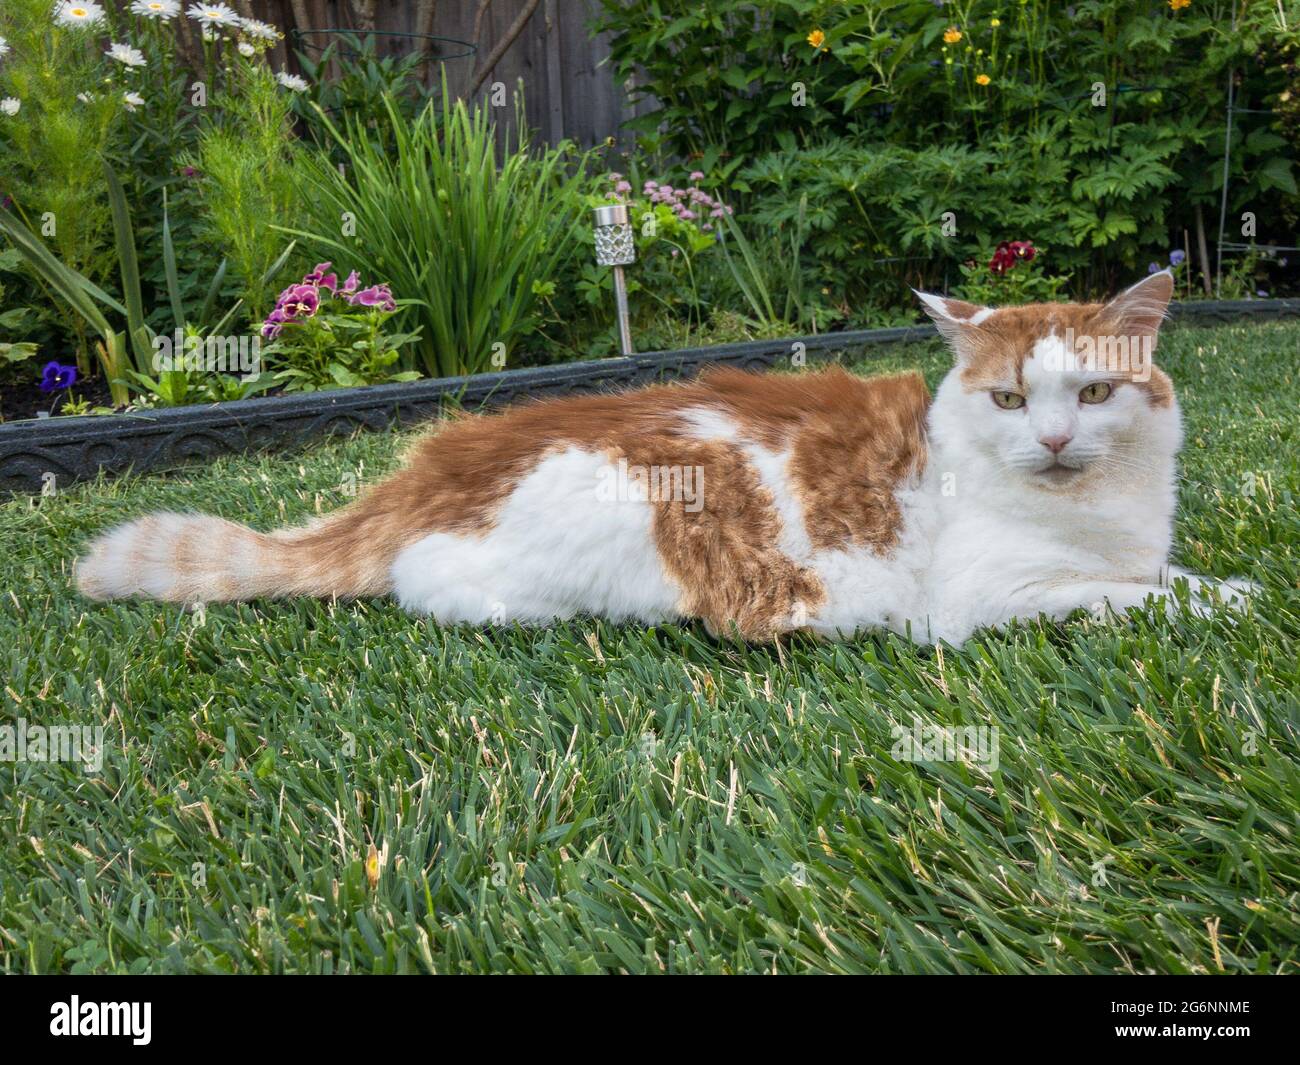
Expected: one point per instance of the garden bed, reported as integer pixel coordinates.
(38, 452)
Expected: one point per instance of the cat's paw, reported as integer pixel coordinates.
(1208, 596)
(1240, 587)
(1205, 593)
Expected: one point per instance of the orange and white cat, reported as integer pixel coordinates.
(1033, 483)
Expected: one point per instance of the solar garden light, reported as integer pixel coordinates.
(615, 247)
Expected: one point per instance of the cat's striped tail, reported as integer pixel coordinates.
(195, 558)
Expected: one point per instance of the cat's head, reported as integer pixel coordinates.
(1049, 392)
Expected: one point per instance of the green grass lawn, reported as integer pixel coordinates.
(310, 786)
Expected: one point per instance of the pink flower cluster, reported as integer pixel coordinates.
(689, 204)
(303, 300)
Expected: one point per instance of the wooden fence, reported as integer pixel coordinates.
(570, 89)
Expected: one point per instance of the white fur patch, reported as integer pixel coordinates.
(705, 423)
(560, 546)
(773, 469)
(937, 304)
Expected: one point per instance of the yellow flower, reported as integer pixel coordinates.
(995, 22)
(1178, 5)
(816, 38)
(983, 79)
(952, 34)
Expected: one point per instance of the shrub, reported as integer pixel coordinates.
(723, 76)
(875, 214)
(1113, 109)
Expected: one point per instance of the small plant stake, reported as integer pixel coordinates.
(615, 248)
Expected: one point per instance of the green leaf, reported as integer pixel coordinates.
(169, 269)
(18, 352)
(129, 267)
(1276, 173)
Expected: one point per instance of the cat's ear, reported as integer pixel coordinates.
(956, 320)
(1138, 311)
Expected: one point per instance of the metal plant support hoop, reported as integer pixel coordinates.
(300, 38)
(42, 453)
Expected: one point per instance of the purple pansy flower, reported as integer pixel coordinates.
(299, 301)
(1153, 268)
(1176, 257)
(55, 376)
(352, 283)
(319, 277)
(273, 324)
(375, 296)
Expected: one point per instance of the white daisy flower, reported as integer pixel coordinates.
(132, 100)
(247, 50)
(85, 98)
(124, 53)
(10, 106)
(72, 13)
(261, 30)
(292, 81)
(4, 48)
(160, 9)
(211, 15)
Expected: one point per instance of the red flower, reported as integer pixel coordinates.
(1003, 259)
(1010, 252)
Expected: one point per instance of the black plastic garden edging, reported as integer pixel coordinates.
(43, 453)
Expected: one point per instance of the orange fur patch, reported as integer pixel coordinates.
(850, 458)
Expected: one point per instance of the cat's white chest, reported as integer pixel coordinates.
(964, 562)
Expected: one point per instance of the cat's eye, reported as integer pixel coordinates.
(1008, 400)
(1097, 392)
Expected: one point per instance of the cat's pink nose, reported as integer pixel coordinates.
(1054, 444)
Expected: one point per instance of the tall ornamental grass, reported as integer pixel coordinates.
(470, 244)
